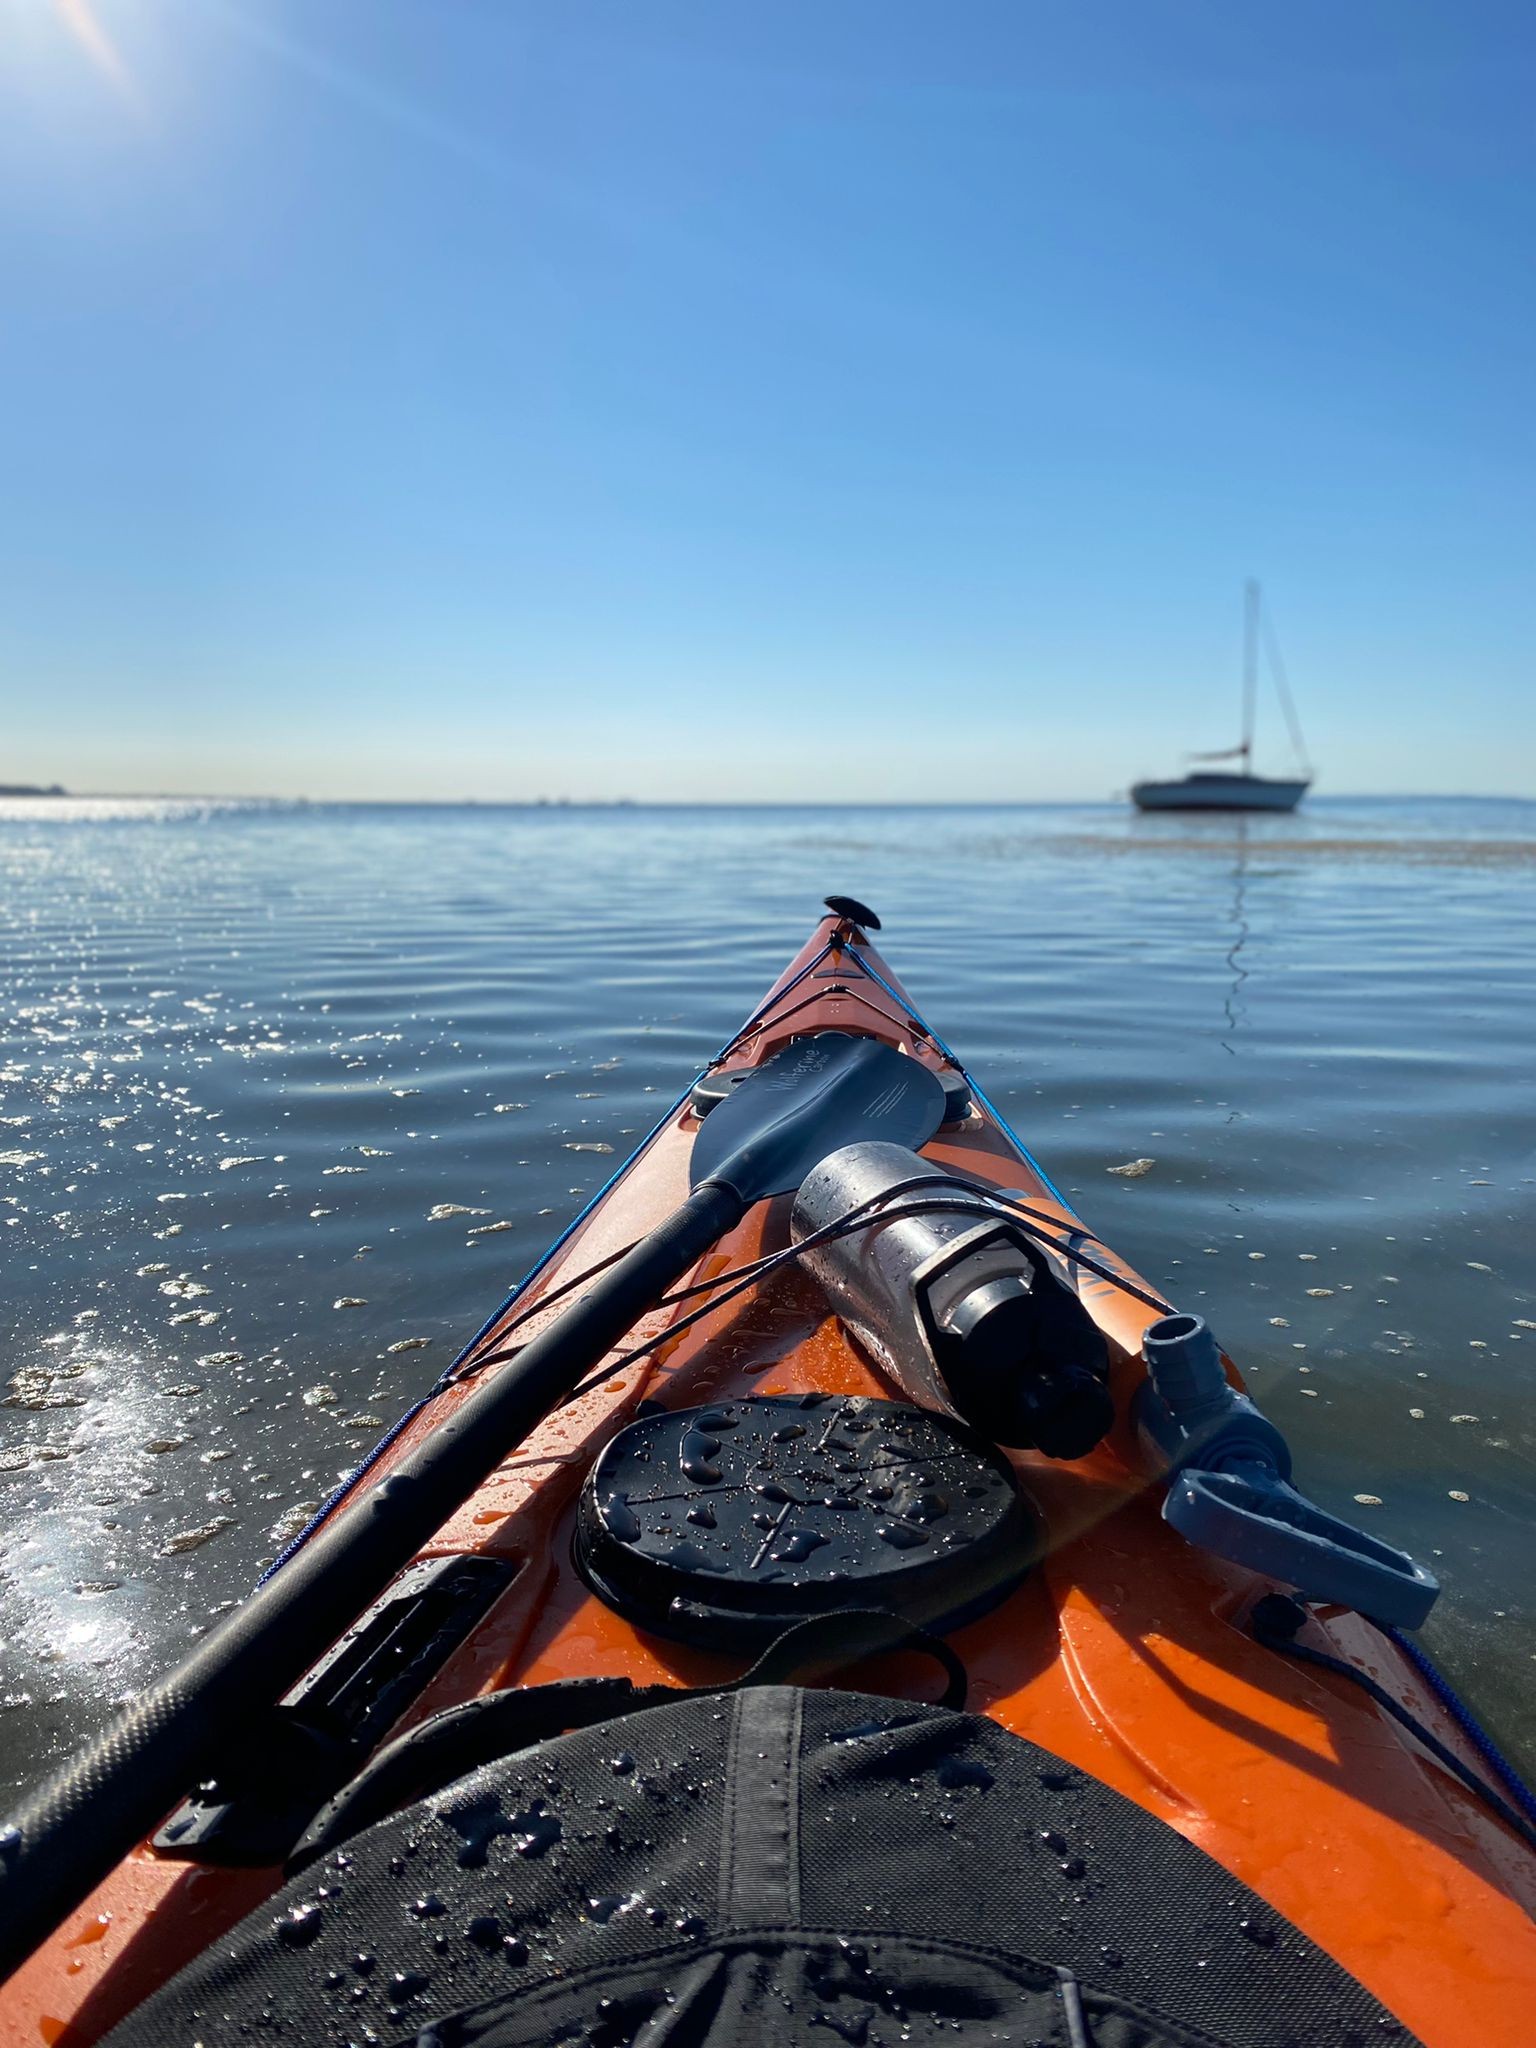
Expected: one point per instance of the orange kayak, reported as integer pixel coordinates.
(1124, 1649)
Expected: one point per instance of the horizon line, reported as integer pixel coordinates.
(18, 794)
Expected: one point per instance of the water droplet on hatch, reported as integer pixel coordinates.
(623, 1523)
(927, 1507)
(695, 1455)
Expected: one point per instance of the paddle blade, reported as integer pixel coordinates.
(812, 1098)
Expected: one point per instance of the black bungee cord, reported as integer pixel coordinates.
(726, 1286)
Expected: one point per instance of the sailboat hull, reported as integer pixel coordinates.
(1219, 793)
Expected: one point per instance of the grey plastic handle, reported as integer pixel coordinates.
(1228, 1489)
(1248, 1515)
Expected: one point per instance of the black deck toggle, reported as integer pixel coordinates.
(851, 908)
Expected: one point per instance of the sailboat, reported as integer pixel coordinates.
(1237, 789)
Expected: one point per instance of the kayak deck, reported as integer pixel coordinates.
(1126, 1652)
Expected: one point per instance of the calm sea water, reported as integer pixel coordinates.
(289, 1097)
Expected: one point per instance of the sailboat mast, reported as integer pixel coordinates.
(1250, 668)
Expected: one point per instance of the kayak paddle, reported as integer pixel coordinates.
(815, 1096)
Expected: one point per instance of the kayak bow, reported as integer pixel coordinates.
(1149, 1664)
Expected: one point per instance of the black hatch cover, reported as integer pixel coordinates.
(723, 1525)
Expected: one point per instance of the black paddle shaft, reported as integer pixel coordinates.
(85, 1819)
(816, 1095)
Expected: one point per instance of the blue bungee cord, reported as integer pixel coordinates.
(972, 1083)
(1500, 1765)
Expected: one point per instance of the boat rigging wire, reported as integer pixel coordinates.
(1283, 691)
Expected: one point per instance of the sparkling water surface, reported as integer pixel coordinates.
(290, 1096)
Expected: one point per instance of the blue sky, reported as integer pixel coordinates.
(826, 398)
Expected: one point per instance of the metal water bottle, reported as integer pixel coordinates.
(961, 1310)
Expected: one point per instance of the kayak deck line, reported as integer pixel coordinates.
(1126, 1652)
(454, 1368)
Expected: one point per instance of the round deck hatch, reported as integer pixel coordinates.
(723, 1525)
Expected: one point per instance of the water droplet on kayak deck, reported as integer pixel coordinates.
(300, 1927)
(611, 1905)
(481, 1821)
(852, 2026)
(955, 1771)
